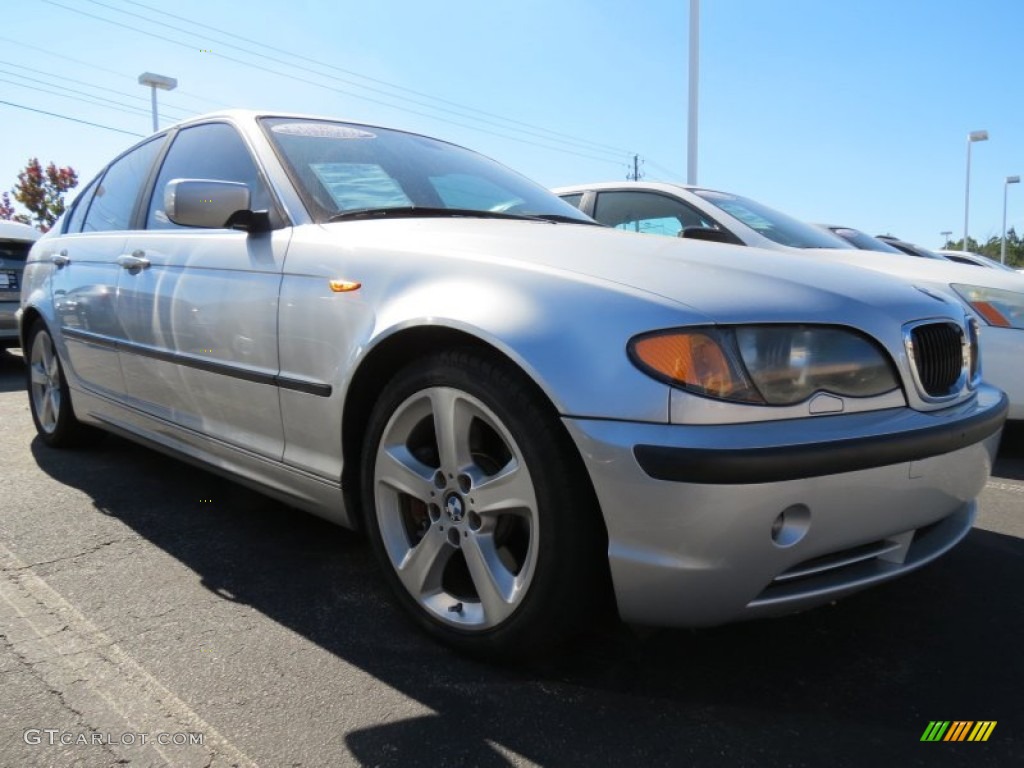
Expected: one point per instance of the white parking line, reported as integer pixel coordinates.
(95, 678)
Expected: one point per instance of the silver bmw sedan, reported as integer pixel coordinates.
(530, 416)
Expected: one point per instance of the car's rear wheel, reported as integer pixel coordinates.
(48, 395)
(477, 509)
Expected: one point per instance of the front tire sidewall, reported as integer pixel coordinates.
(552, 607)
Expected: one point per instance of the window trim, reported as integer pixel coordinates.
(279, 218)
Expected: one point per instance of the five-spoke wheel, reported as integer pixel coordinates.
(477, 507)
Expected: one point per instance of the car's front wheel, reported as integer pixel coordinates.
(478, 510)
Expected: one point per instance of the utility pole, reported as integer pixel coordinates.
(691, 144)
(635, 175)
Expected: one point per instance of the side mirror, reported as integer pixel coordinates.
(212, 204)
(711, 235)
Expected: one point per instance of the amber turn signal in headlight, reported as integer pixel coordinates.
(998, 307)
(698, 360)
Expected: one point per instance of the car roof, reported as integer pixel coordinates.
(13, 230)
(667, 186)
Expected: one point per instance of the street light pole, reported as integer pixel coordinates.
(1006, 185)
(691, 143)
(972, 137)
(154, 82)
(945, 237)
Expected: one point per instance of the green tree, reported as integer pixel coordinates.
(41, 191)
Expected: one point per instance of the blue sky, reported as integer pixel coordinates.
(854, 113)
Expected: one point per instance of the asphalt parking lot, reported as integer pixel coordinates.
(140, 597)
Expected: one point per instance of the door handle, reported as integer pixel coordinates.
(135, 260)
(60, 259)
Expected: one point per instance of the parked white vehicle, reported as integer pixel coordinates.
(994, 296)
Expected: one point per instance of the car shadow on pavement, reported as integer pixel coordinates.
(12, 371)
(851, 684)
(1010, 461)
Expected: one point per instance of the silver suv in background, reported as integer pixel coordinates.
(15, 241)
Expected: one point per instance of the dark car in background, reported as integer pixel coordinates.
(15, 241)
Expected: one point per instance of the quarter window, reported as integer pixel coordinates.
(114, 201)
(212, 151)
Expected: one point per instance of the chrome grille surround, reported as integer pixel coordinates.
(943, 358)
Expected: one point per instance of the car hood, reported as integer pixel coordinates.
(726, 283)
(922, 271)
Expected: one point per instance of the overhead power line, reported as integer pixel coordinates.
(64, 78)
(68, 117)
(324, 86)
(464, 110)
(63, 92)
(49, 53)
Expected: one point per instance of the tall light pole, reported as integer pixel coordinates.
(1006, 185)
(154, 82)
(945, 237)
(972, 137)
(691, 142)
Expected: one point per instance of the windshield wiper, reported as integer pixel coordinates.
(563, 219)
(414, 211)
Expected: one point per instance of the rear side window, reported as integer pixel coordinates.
(14, 250)
(80, 208)
(114, 201)
(212, 151)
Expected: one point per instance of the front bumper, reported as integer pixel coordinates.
(863, 498)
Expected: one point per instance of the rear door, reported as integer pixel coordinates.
(87, 269)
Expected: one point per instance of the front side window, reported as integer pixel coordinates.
(648, 212)
(574, 199)
(343, 170)
(113, 204)
(212, 151)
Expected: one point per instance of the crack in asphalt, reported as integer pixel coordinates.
(65, 558)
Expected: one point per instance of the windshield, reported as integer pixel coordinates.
(778, 227)
(865, 241)
(340, 168)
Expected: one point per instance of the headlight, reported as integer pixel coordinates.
(998, 307)
(766, 364)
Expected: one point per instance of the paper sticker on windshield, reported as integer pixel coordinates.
(322, 131)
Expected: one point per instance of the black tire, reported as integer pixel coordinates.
(555, 546)
(49, 399)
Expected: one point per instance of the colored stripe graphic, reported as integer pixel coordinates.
(982, 730)
(935, 730)
(958, 730)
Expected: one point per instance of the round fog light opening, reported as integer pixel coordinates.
(791, 525)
